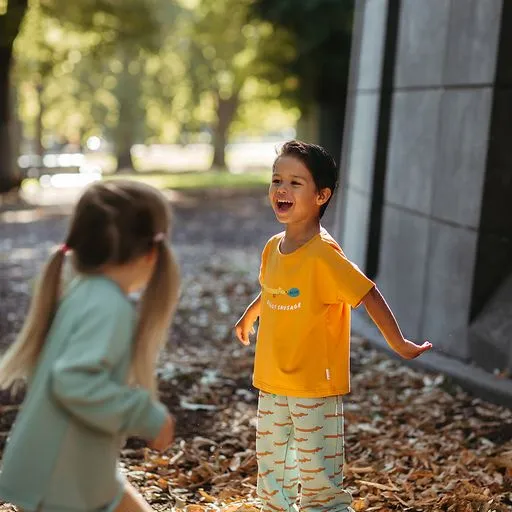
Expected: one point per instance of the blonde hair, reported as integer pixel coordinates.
(113, 223)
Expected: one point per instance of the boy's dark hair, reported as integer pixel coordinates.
(319, 163)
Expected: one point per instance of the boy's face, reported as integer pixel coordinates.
(293, 193)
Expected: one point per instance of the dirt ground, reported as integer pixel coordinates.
(415, 441)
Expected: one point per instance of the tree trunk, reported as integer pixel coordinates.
(128, 97)
(124, 137)
(226, 110)
(15, 129)
(39, 124)
(6, 171)
(9, 28)
(124, 159)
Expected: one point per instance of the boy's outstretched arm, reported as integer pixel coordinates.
(384, 319)
(245, 326)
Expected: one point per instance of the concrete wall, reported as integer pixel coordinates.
(426, 201)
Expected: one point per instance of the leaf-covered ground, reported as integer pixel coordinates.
(414, 441)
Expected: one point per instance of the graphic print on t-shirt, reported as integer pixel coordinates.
(292, 292)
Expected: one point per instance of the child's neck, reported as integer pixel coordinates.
(296, 235)
(124, 275)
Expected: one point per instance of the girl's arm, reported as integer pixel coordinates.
(245, 326)
(82, 381)
(384, 319)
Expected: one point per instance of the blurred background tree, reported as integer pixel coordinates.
(321, 32)
(44, 28)
(11, 16)
(234, 59)
(177, 72)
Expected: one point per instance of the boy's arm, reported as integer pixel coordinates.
(384, 319)
(244, 326)
(253, 309)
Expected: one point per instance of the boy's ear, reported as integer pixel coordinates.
(323, 196)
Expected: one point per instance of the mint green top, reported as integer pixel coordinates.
(63, 450)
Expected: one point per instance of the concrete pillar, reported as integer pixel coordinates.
(426, 201)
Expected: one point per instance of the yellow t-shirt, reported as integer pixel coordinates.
(303, 344)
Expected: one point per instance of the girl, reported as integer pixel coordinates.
(89, 361)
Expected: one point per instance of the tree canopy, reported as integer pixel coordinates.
(107, 23)
(143, 71)
(229, 64)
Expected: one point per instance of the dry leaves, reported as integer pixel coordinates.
(414, 442)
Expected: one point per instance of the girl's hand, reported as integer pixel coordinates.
(409, 349)
(166, 435)
(244, 327)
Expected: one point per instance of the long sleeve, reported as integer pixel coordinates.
(83, 382)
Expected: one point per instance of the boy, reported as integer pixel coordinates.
(303, 347)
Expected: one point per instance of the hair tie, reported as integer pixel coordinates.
(159, 237)
(64, 248)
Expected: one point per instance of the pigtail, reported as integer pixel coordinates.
(157, 308)
(21, 357)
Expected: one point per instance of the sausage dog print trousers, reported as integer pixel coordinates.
(301, 441)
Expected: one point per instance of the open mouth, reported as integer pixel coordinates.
(283, 205)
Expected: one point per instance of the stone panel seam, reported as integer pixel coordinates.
(419, 214)
(421, 88)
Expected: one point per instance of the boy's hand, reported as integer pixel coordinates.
(166, 435)
(409, 349)
(244, 327)
(384, 319)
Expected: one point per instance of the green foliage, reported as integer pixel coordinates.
(58, 40)
(89, 66)
(150, 70)
(130, 22)
(225, 48)
(225, 64)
